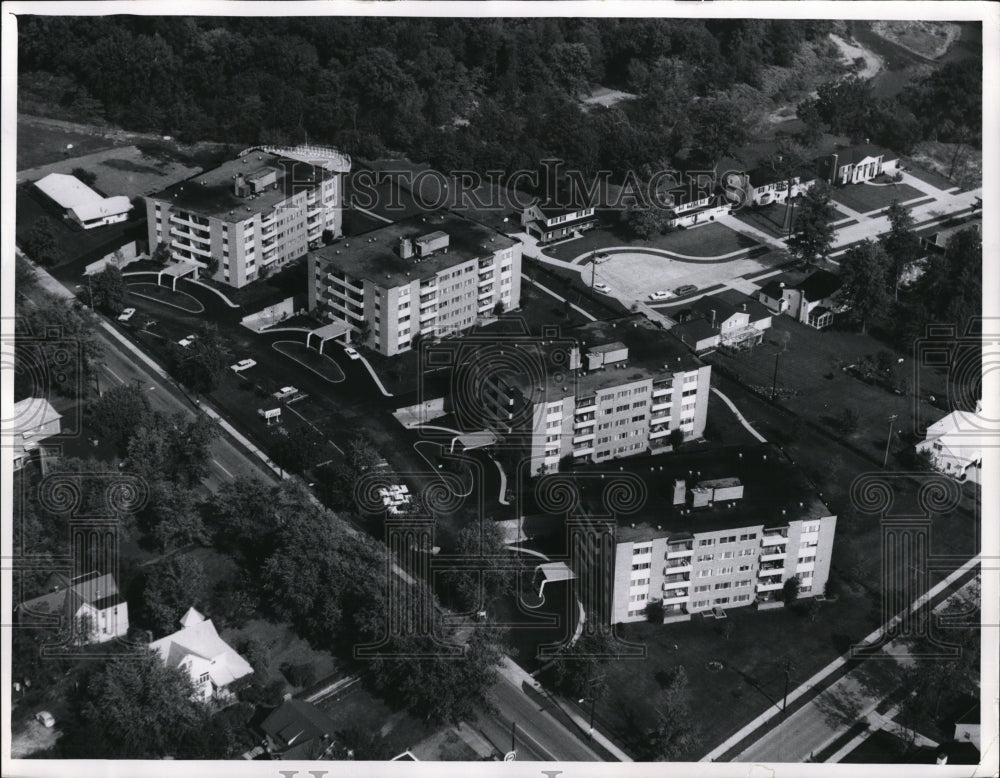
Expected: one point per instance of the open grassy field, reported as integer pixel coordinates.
(708, 240)
(864, 198)
(37, 145)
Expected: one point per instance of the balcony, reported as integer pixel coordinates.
(428, 301)
(675, 612)
(487, 279)
(679, 562)
(675, 596)
(427, 315)
(769, 571)
(188, 246)
(661, 407)
(662, 433)
(766, 586)
(189, 220)
(583, 438)
(774, 538)
(677, 578)
(486, 293)
(189, 234)
(774, 553)
(588, 404)
(579, 452)
(589, 419)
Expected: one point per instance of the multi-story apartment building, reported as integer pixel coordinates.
(622, 389)
(435, 274)
(252, 214)
(720, 529)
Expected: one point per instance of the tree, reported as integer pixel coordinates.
(676, 438)
(108, 291)
(174, 517)
(85, 176)
(439, 687)
(863, 282)
(134, 707)
(790, 590)
(579, 670)
(161, 254)
(646, 222)
(901, 244)
(172, 586)
(118, 413)
(40, 243)
(847, 421)
(673, 735)
(212, 267)
(845, 106)
(498, 309)
(246, 516)
(202, 364)
(813, 235)
(297, 454)
(327, 237)
(483, 541)
(172, 447)
(571, 67)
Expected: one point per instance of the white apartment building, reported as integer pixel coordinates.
(253, 214)
(623, 388)
(431, 275)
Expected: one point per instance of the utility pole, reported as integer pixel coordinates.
(513, 736)
(888, 440)
(774, 381)
(784, 701)
(593, 268)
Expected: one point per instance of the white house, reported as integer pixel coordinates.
(81, 203)
(89, 606)
(208, 659)
(35, 420)
(955, 443)
(550, 221)
(857, 164)
(765, 185)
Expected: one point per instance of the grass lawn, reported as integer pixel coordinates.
(881, 748)
(283, 647)
(865, 199)
(812, 384)
(707, 240)
(41, 145)
(930, 177)
(753, 656)
(768, 218)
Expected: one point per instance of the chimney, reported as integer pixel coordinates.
(744, 307)
(680, 491)
(713, 318)
(405, 248)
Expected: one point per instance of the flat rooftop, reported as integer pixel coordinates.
(771, 484)
(375, 255)
(212, 193)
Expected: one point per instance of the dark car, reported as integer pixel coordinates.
(686, 289)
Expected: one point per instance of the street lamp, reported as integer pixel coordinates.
(888, 441)
(593, 703)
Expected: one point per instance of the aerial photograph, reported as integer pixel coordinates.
(443, 388)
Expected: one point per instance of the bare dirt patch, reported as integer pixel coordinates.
(925, 39)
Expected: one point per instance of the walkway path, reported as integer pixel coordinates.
(661, 252)
(739, 415)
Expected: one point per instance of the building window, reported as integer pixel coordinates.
(641, 566)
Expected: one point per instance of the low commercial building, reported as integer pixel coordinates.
(433, 275)
(253, 214)
(604, 390)
(713, 528)
(81, 204)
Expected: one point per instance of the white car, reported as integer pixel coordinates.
(602, 288)
(127, 314)
(243, 364)
(284, 392)
(45, 718)
(661, 295)
(185, 342)
(352, 353)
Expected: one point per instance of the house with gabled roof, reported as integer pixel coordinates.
(728, 319)
(811, 300)
(857, 164)
(552, 220)
(297, 729)
(955, 443)
(35, 420)
(197, 648)
(89, 607)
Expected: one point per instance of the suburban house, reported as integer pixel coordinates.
(955, 443)
(728, 319)
(89, 606)
(35, 420)
(251, 215)
(208, 659)
(297, 729)
(432, 274)
(765, 185)
(811, 300)
(551, 221)
(857, 164)
(81, 204)
(699, 195)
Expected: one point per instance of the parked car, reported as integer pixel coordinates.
(352, 353)
(285, 392)
(127, 314)
(661, 295)
(686, 289)
(602, 288)
(45, 718)
(185, 342)
(243, 364)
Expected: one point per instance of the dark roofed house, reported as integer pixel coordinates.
(89, 608)
(298, 730)
(555, 220)
(811, 300)
(766, 184)
(728, 319)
